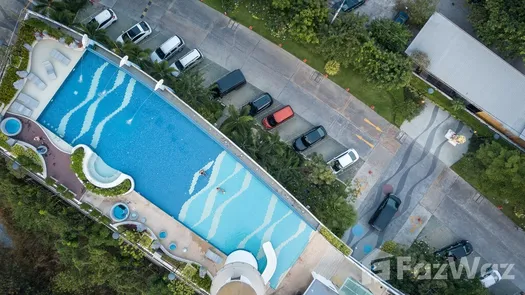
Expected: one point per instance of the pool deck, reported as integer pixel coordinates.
(58, 162)
(157, 220)
(40, 53)
(323, 258)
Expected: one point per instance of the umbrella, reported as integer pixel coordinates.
(159, 85)
(124, 61)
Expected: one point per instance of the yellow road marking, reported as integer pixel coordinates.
(364, 140)
(375, 126)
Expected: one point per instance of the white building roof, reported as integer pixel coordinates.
(473, 71)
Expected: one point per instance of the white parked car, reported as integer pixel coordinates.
(343, 161)
(104, 19)
(136, 33)
(188, 61)
(490, 278)
(167, 49)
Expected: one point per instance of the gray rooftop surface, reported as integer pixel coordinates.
(473, 71)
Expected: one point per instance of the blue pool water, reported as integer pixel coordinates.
(164, 152)
(12, 126)
(120, 212)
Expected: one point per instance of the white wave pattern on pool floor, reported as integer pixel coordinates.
(90, 114)
(269, 232)
(210, 201)
(213, 179)
(300, 230)
(220, 209)
(123, 105)
(61, 131)
(266, 221)
(196, 176)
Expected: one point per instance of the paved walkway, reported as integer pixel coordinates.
(58, 162)
(157, 220)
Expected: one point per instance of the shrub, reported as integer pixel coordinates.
(68, 195)
(61, 189)
(418, 10)
(86, 207)
(104, 219)
(50, 181)
(391, 247)
(76, 165)
(27, 158)
(332, 67)
(95, 213)
(336, 242)
(458, 105)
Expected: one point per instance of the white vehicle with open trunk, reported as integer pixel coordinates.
(343, 161)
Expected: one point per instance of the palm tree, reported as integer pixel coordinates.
(46, 7)
(160, 70)
(63, 16)
(91, 29)
(241, 122)
(74, 5)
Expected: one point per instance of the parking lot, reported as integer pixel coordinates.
(165, 25)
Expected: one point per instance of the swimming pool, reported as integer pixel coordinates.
(164, 152)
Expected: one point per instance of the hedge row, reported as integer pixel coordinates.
(336, 242)
(76, 165)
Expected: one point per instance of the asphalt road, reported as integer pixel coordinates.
(227, 46)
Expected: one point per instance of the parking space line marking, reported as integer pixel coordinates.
(373, 125)
(146, 9)
(364, 140)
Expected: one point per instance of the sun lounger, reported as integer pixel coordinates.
(19, 84)
(213, 256)
(60, 57)
(37, 81)
(27, 100)
(21, 109)
(49, 69)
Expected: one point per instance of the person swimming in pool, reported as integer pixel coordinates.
(202, 172)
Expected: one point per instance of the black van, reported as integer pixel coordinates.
(260, 104)
(228, 83)
(385, 212)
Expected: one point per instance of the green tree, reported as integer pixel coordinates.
(179, 288)
(317, 171)
(160, 70)
(91, 29)
(341, 40)
(503, 171)
(409, 105)
(46, 7)
(501, 24)
(385, 69)
(302, 18)
(332, 67)
(409, 283)
(75, 5)
(62, 16)
(418, 10)
(190, 88)
(239, 124)
(390, 35)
